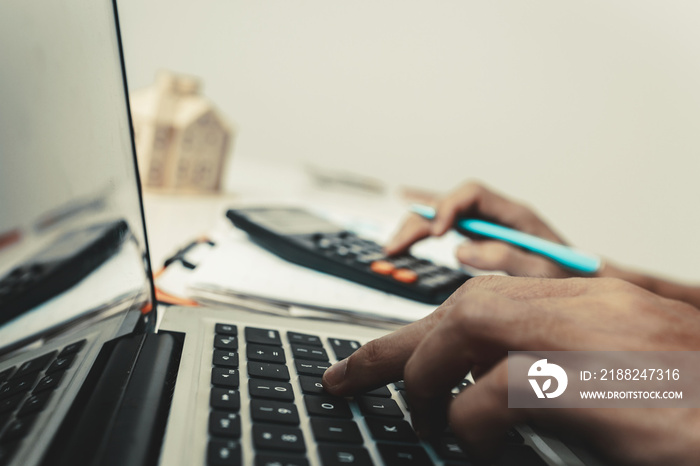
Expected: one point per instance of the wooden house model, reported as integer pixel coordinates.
(182, 141)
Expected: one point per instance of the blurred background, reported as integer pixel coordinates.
(588, 111)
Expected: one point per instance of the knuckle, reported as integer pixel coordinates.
(368, 354)
(481, 282)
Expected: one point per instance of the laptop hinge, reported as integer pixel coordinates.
(120, 413)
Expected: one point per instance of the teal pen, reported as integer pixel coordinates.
(565, 256)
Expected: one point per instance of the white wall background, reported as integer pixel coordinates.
(589, 111)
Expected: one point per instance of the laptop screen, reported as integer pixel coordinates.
(72, 240)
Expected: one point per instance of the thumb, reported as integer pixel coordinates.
(496, 255)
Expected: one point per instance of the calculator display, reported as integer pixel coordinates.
(291, 221)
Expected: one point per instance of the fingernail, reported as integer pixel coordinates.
(467, 253)
(335, 374)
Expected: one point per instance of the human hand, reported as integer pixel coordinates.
(476, 201)
(488, 316)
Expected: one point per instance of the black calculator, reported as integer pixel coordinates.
(306, 239)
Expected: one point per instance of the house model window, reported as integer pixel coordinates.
(182, 141)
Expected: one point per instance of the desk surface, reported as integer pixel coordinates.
(172, 220)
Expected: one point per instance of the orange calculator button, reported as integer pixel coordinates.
(405, 275)
(382, 267)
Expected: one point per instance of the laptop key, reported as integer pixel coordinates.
(274, 437)
(343, 348)
(224, 453)
(72, 348)
(513, 436)
(448, 448)
(263, 336)
(224, 424)
(311, 385)
(344, 455)
(382, 407)
(409, 455)
(18, 429)
(271, 389)
(226, 329)
(274, 412)
(226, 342)
(309, 352)
(311, 368)
(33, 366)
(10, 403)
(224, 377)
(267, 459)
(268, 370)
(335, 430)
(61, 363)
(327, 406)
(391, 429)
(225, 399)
(304, 339)
(20, 385)
(225, 358)
(4, 375)
(382, 392)
(34, 404)
(265, 353)
(48, 382)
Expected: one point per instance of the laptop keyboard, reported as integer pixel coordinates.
(284, 392)
(26, 390)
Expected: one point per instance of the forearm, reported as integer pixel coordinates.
(668, 289)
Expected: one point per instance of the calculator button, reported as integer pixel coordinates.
(370, 256)
(405, 275)
(382, 267)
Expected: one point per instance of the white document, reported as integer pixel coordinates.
(238, 266)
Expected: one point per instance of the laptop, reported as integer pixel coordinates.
(86, 378)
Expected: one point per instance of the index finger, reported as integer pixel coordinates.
(379, 361)
(413, 229)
